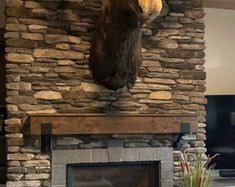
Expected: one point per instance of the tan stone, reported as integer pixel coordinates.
(15, 141)
(13, 121)
(32, 36)
(90, 87)
(48, 111)
(42, 157)
(11, 35)
(58, 54)
(29, 150)
(168, 44)
(15, 27)
(161, 95)
(159, 81)
(13, 149)
(20, 156)
(14, 135)
(12, 108)
(167, 32)
(21, 58)
(32, 183)
(57, 38)
(20, 100)
(37, 176)
(194, 14)
(65, 69)
(25, 86)
(32, 4)
(63, 46)
(16, 3)
(48, 95)
(37, 27)
(194, 47)
(12, 86)
(27, 107)
(32, 163)
(65, 62)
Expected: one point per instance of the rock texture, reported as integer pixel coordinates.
(48, 46)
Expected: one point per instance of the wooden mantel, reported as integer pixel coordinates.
(111, 124)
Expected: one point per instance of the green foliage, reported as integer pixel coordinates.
(196, 173)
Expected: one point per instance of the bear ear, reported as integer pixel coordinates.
(151, 9)
(140, 6)
(165, 8)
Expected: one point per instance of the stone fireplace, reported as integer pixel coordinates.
(125, 167)
(47, 50)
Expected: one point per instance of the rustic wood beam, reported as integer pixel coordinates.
(222, 4)
(113, 124)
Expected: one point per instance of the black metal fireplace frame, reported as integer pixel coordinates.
(156, 173)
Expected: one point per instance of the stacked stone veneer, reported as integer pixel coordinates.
(47, 46)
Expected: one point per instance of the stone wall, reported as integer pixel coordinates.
(47, 45)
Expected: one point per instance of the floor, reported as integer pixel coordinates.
(224, 182)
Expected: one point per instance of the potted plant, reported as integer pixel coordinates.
(198, 172)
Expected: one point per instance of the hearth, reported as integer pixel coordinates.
(127, 174)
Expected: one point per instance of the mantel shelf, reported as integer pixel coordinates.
(112, 124)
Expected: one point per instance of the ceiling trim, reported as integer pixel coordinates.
(222, 4)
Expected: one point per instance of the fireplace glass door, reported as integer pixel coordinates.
(140, 174)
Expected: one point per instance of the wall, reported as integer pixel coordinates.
(47, 46)
(2, 15)
(2, 63)
(220, 66)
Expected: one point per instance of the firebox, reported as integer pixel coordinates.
(126, 174)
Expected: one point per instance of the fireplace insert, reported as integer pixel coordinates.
(124, 174)
(221, 131)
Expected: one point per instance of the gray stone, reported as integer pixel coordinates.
(93, 144)
(14, 177)
(16, 170)
(13, 163)
(189, 137)
(58, 175)
(81, 156)
(135, 144)
(69, 141)
(161, 143)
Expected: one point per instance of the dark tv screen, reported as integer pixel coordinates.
(220, 129)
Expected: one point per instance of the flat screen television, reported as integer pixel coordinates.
(221, 130)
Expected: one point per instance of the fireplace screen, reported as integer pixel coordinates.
(140, 174)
